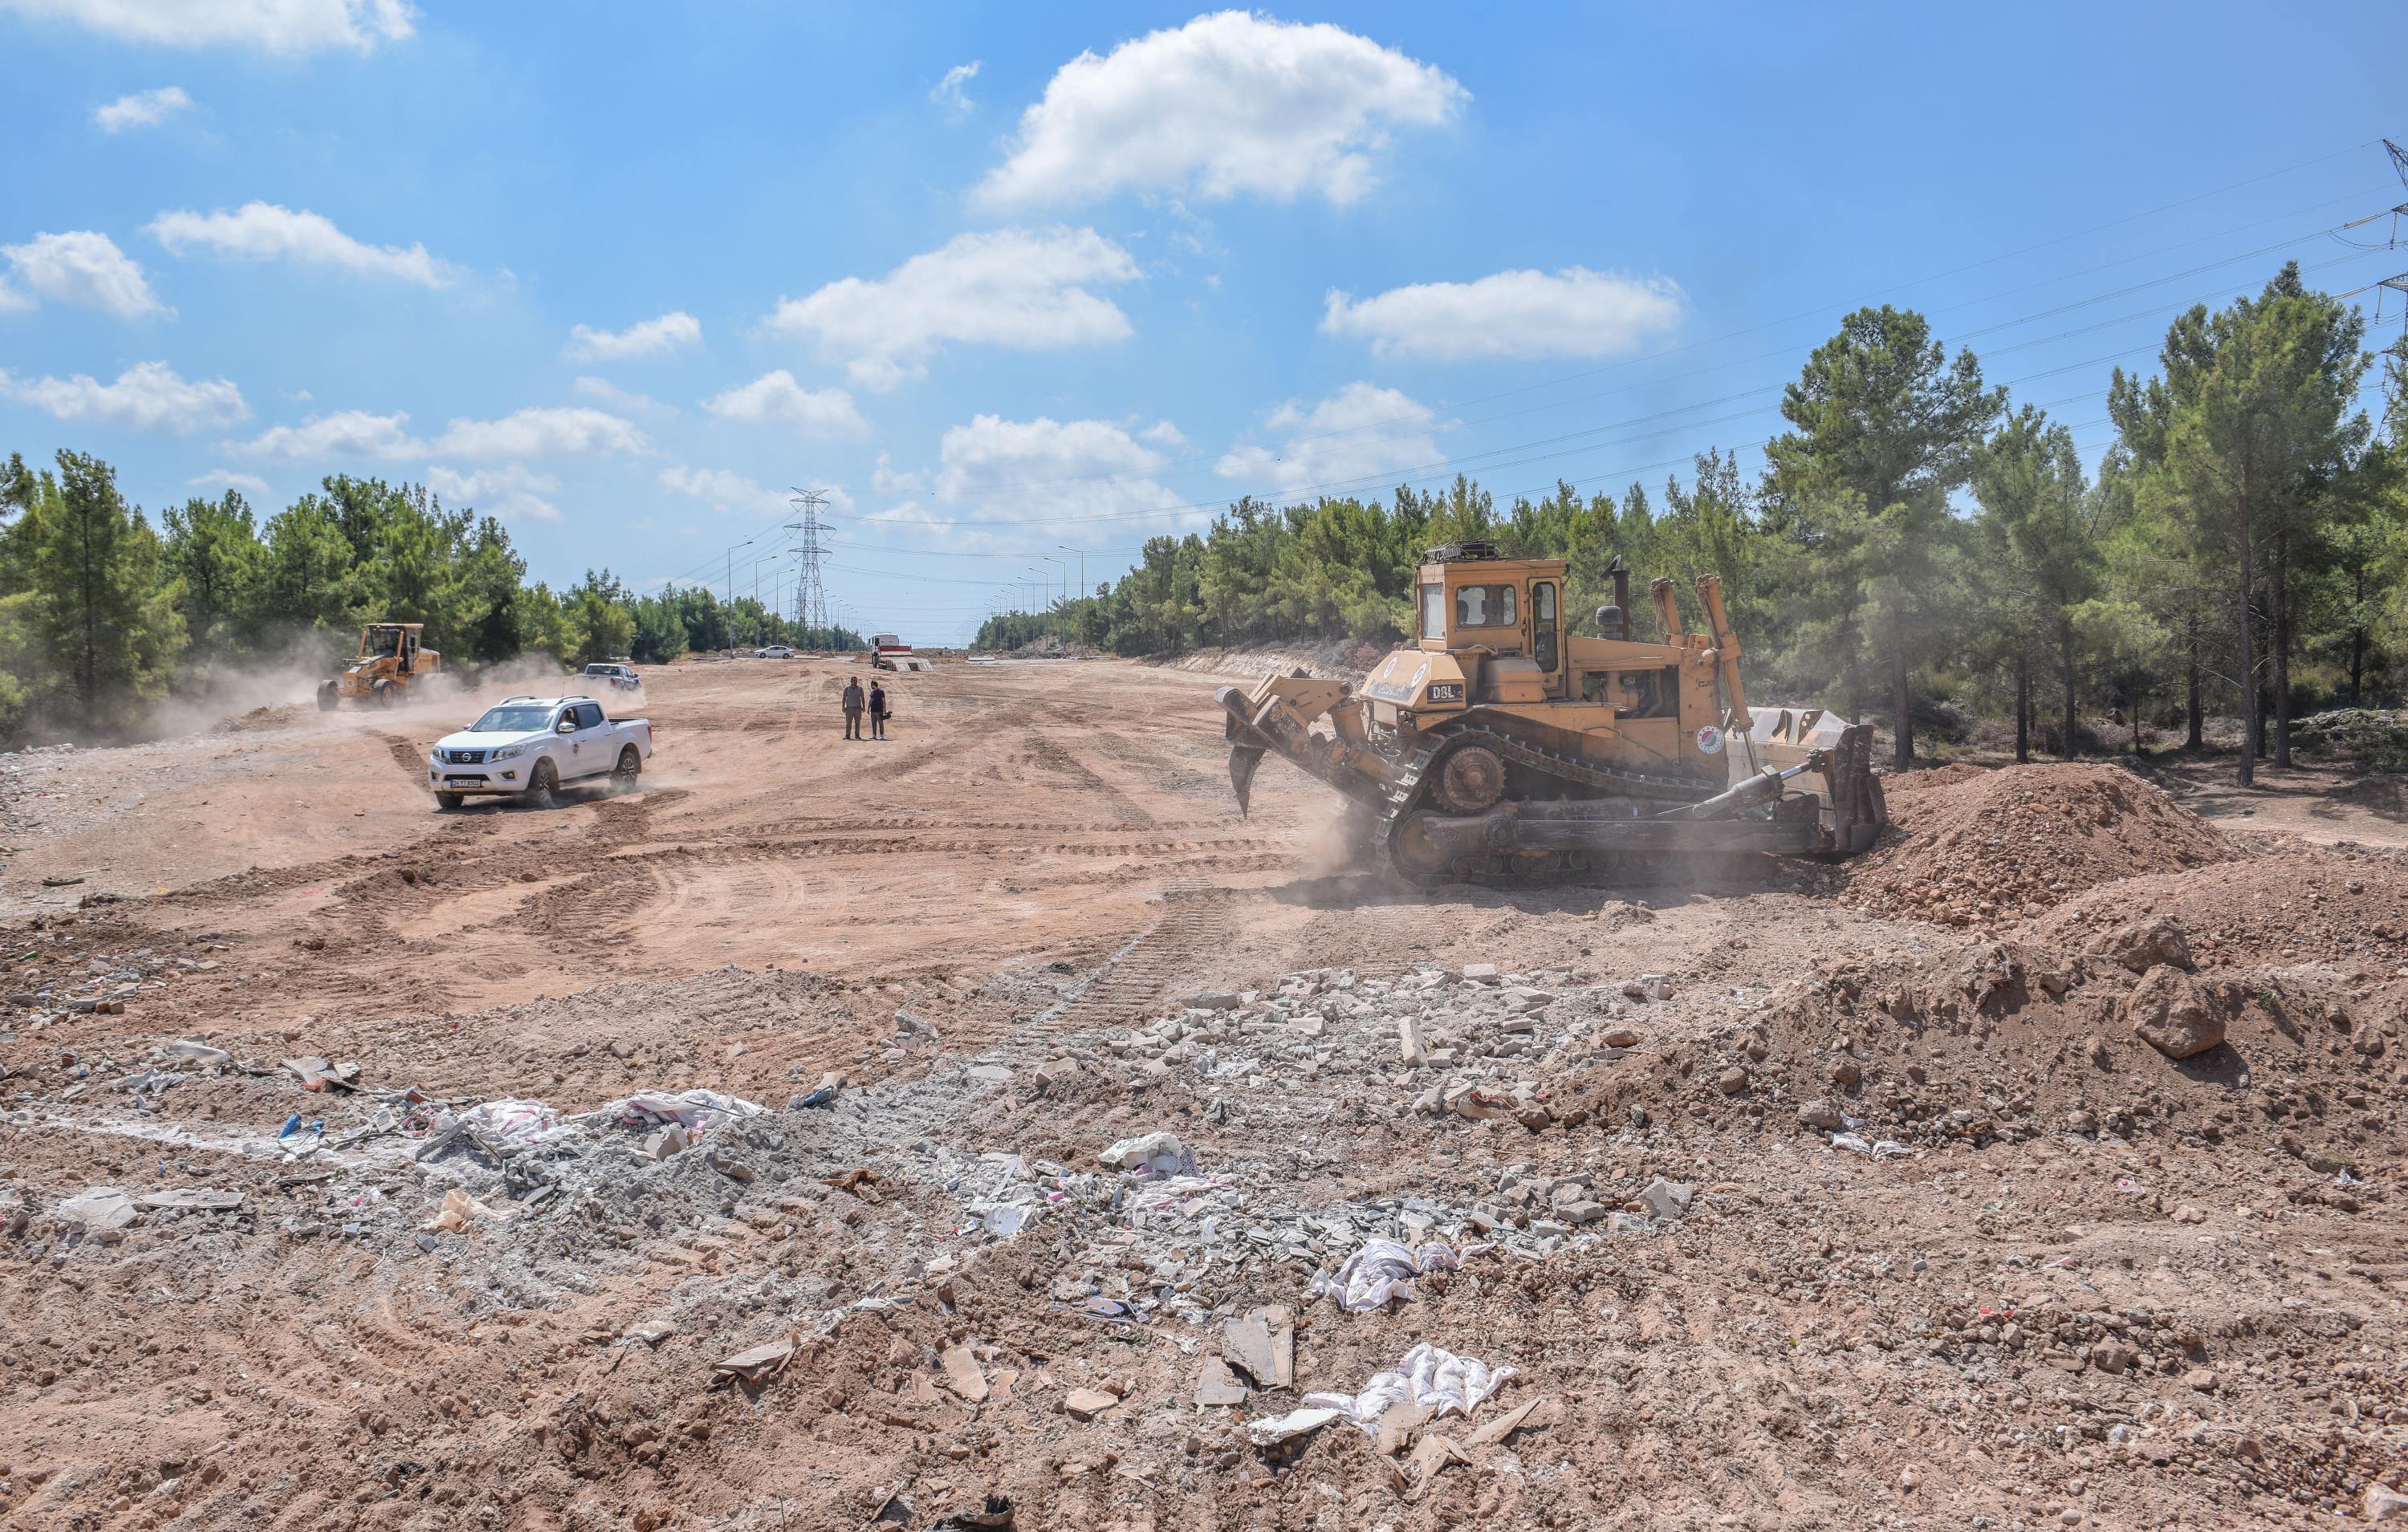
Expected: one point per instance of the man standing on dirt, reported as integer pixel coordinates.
(853, 708)
(877, 709)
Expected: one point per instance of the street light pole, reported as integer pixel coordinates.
(730, 619)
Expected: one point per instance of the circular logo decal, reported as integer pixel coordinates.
(1710, 739)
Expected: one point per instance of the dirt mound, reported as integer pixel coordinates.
(1991, 846)
(2296, 904)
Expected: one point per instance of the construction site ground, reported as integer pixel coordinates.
(1804, 1197)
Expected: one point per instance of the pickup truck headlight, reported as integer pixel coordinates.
(508, 753)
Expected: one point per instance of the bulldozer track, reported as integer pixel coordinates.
(1413, 786)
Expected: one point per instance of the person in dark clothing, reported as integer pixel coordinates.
(853, 708)
(877, 709)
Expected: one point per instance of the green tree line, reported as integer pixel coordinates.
(1916, 539)
(104, 617)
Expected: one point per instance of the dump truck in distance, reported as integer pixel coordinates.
(1500, 747)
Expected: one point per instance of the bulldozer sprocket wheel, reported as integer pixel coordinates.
(1471, 777)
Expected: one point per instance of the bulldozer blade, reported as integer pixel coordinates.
(1244, 761)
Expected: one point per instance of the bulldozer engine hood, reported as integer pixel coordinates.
(1423, 679)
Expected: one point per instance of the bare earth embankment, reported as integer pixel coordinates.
(2037, 1172)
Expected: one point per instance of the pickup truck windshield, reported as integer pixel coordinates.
(513, 721)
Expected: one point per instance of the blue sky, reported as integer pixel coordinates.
(1000, 281)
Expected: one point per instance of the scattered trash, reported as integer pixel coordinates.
(652, 1332)
(1383, 1270)
(512, 1124)
(696, 1111)
(61, 883)
(1506, 1425)
(1877, 1149)
(198, 1051)
(1445, 1382)
(457, 1212)
(1296, 1422)
(316, 1074)
(297, 1139)
(1160, 1153)
(824, 1094)
(994, 1515)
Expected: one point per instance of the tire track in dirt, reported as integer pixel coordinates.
(1048, 755)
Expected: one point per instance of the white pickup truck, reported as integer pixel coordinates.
(533, 747)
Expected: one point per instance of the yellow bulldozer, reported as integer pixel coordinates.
(1501, 748)
(391, 666)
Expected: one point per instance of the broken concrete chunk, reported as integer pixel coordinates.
(104, 1211)
(204, 1197)
(1408, 1042)
(1668, 1198)
(1262, 1345)
(669, 1141)
(1479, 973)
(963, 1374)
(1087, 1403)
(1821, 1114)
(1217, 1387)
(764, 1361)
(1211, 1000)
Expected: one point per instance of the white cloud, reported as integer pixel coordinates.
(1022, 289)
(251, 485)
(512, 492)
(1359, 433)
(143, 109)
(725, 490)
(524, 433)
(348, 433)
(262, 231)
(776, 399)
(1039, 473)
(949, 93)
(272, 27)
(1574, 313)
(1163, 434)
(148, 397)
(533, 432)
(619, 399)
(885, 480)
(650, 337)
(81, 267)
(1229, 104)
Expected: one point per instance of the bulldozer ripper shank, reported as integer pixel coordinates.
(1502, 748)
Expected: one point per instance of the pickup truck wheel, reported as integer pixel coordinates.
(450, 800)
(630, 767)
(543, 783)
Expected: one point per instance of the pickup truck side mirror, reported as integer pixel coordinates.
(567, 725)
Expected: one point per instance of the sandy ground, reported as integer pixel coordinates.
(990, 926)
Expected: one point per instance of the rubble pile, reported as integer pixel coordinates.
(1985, 848)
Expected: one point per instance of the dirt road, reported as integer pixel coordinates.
(1833, 1200)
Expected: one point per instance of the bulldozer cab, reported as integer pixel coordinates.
(1473, 602)
(392, 661)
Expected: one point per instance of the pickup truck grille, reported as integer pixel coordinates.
(463, 757)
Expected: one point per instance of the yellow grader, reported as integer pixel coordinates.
(389, 665)
(1501, 748)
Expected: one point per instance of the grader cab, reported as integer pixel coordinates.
(391, 665)
(1503, 747)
